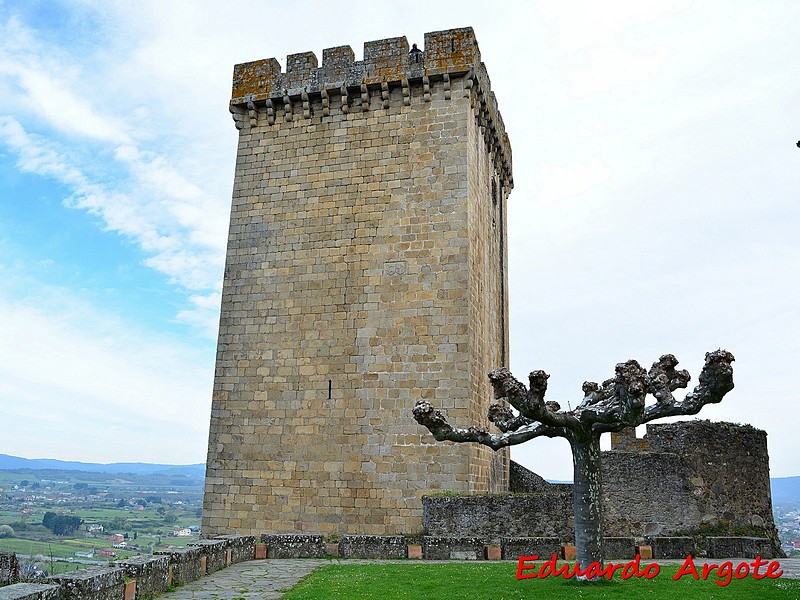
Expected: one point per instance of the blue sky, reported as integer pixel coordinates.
(655, 207)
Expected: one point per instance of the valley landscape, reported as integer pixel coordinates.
(97, 513)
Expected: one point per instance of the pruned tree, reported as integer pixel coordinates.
(615, 404)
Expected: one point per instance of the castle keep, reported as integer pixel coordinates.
(366, 270)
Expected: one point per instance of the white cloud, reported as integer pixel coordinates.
(77, 379)
(655, 207)
(41, 84)
(157, 191)
(157, 224)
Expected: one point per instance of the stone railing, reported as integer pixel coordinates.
(149, 576)
(136, 577)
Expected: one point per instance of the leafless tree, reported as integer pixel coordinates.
(615, 404)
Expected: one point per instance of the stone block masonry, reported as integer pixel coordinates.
(9, 567)
(675, 487)
(150, 572)
(99, 583)
(30, 591)
(366, 270)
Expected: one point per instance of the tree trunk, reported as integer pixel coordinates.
(587, 501)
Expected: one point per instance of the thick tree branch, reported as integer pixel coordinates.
(530, 403)
(505, 420)
(426, 415)
(664, 379)
(716, 380)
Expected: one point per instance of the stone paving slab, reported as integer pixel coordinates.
(269, 579)
(251, 580)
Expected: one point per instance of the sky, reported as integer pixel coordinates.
(654, 209)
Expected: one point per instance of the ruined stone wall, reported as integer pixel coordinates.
(728, 470)
(647, 493)
(522, 480)
(495, 516)
(692, 477)
(362, 275)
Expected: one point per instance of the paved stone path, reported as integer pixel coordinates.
(251, 580)
(268, 579)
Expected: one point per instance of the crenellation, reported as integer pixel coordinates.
(299, 71)
(387, 64)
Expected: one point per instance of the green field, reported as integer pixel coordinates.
(497, 581)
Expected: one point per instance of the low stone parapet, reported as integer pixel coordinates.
(619, 547)
(150, 572)
(240, 547)
(184, 565)
(673, 547)
(214, 551)
(543, 547)
(9, 568)
(495, 516)
(740, 547)
(446, 548)
(294, 546)
(373, 546)
(30, 591)
(96, 583)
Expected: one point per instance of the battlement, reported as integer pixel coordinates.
(454, 51)
(387, 64)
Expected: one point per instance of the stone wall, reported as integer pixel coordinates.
(240, 547)
(30, 591)
(492, 517)
(525, 481)
(150, 572)
(136, 577)
(365, 271)
(694, 477)
(98, 583)
(185, 565)
(647, 494)
(9, 568)
(690, 477)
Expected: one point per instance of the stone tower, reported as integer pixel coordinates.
(366, 269)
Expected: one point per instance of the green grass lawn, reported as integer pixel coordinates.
(497, 581)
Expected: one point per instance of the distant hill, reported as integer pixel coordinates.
(10, 463)
(785, 490)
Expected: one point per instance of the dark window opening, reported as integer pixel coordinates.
(494, 202)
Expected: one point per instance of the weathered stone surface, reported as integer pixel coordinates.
(9, 567)
(366, 269)
(30, 591)
(97, 583)
(373, 546)
(619, 547)
(185, 564)
(543, 547)
(524, 481)
(744, 547)
(241, 547)
(676, 478)
(493, 517)
(150, 572)
(684, 475)
(215, 552)
(673, 547)
(449, 548)
(294, 546)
